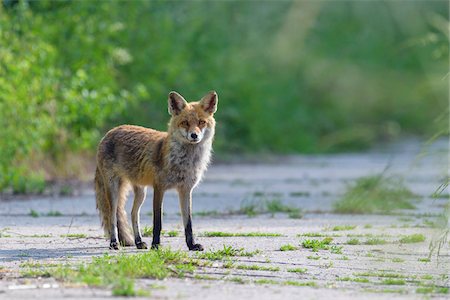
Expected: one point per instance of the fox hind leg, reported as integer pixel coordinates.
(139, 198)
(114, 189)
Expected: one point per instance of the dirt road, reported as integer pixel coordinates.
(364, 260)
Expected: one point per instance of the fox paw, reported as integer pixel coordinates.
(196, 247)
(155, 246)
(114, 246)
(141, 245)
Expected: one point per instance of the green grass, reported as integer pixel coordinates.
(375, 241)
(432, 289)
(380, 274)
(253, 207)
(336, 249)
(413, 238)
(206, 213)
(298, 270)
(237, 280)
(398, 260)
(74, 235)
(257, 268)
(239, 234)
(353, 242)
(354, 279)
(343, 227)
(318, 234)
(392, 281)
(33, 213)
(120, 271)
(288, 247)
(313, 257)
(265, 281)
(316, 245)
(424, 259)
(147, 231)
(40, 235)
(54, 213)
(299, 283)
(173, 233)
(375, 194)
(35, 272)
(227, 251)
(300, 194)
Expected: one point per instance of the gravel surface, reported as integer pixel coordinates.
(312, 183)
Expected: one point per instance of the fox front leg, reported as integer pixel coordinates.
(158, 195)
(185, 196)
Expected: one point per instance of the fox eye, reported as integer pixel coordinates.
(185, 123)
(201, 122)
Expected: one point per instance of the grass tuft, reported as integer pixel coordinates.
(315, 245)
(33, 213)
(375, 194)
(227, 251)
(413, 238)
(243, 234)
(343, 227)
(119, 271)
(288, 247)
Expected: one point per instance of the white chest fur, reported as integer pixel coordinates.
(186, 163)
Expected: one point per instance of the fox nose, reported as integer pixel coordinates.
(194, 136)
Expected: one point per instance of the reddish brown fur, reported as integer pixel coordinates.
(136, 156)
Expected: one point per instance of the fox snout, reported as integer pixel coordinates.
(195, 136)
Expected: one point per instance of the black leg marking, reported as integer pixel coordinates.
(190, 238)
(114, 245)
(156, 230)
(140, 244)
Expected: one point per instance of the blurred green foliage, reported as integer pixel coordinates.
(292, 76)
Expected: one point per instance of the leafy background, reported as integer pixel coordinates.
(292, 76)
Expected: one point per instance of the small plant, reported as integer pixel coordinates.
(398, 260)
(413, 238)
(375, 241)
(299, 194)
(297, 283)
(173, 233)
(237, 280)
(392, 281)
(318, 234)
(54, 213)
(227, 251)
(147, 231)
(315, 245)
(243, 234)
(424, 259)
(74, 235)
(298, 270)
(343, 227)
(375, 194)
(336, 249)
(288, 247)
(265, 281)
(353, 242)
(33, 213)
(257, 268)
(313, 257)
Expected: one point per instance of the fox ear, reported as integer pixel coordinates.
(209, 102)
(176, 103)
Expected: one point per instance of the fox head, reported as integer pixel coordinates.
(192, 122)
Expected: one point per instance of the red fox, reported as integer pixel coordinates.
(135, 157)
